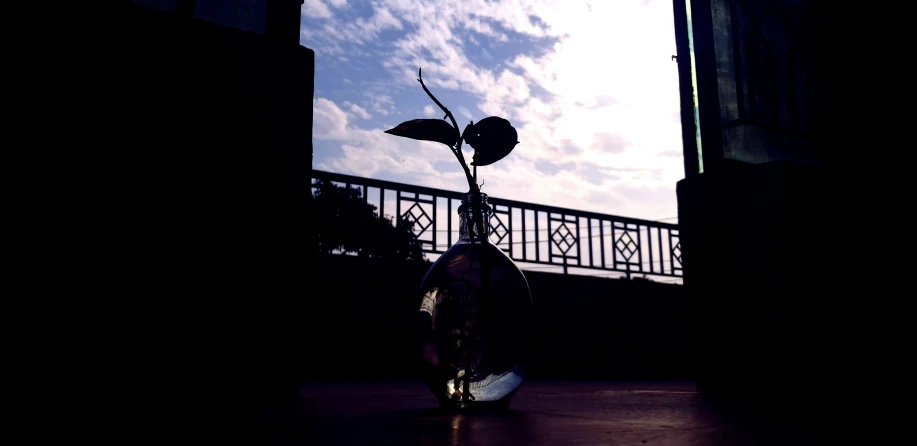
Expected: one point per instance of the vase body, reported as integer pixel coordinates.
(475, 324)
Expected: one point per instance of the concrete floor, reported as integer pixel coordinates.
(542, 413)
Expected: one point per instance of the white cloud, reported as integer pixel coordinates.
(315, 8)
(357, 110)
(360, 30)
(328, 120)
(382, 104)
(605, 124)
(369, 152)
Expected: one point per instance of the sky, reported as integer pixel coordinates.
(590, 86)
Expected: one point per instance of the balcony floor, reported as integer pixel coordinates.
(544, 413)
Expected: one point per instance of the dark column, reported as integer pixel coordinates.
(185, 7)
(758, 284)
(193, 200)
(759, 269)
(283, 20)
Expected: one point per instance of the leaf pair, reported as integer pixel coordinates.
(491, 138)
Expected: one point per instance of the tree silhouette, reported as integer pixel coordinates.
(347, 223)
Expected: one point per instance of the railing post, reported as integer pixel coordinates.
(537, 240)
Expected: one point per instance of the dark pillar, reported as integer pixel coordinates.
(185, 7)
(754, 220)
(283, 20)
(193, 198)
(759, 285)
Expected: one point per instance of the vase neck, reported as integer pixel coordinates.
(474, 206)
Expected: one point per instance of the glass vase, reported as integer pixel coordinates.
(476, 318)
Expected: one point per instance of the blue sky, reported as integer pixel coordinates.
(589, 85)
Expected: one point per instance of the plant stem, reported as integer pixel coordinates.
(469, 357)
(478, 217)
(457, 150)
(477, 220)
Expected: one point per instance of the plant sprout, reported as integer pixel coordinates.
(492, 138)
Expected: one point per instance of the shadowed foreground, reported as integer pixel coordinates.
(542, 413)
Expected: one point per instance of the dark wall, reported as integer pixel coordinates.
(758, 82)
(761, 282)
(361, 328)
(764, 251)
(279, 19)
(185, 192)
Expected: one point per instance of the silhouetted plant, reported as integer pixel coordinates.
(349, 224)
(492, 138)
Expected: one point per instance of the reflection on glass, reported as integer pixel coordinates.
(475, 318)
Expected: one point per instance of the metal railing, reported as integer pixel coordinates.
(531, 233)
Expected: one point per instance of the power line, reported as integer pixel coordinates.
(522, 211)
(527, 242)
(617, 230)
(436, 198)
(646, 263)
(648, 276)
(664, 259)
(661, 276)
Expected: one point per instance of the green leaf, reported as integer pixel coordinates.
(492, 139)
(426, 130)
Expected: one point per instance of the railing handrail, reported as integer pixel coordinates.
(390, 185)
(634, 246)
